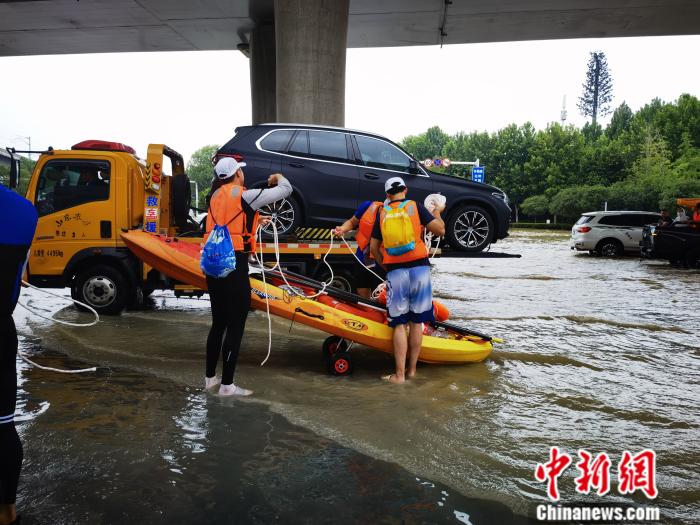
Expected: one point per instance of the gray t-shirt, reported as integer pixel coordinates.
(258, 199)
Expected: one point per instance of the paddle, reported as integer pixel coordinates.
(357, 299)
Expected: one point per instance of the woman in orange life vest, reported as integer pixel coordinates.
(696, 214)
(363, 222)
(237, 208)
(409, 291)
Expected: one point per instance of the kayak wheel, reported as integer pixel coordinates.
(340, 364)
(333, 345)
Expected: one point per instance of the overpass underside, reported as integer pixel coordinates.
(297, 47)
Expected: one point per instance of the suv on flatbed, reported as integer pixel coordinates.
(333, 170)
(611, 233)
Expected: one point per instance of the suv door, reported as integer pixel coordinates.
(320, 165)
(76, 207)
(380, 160)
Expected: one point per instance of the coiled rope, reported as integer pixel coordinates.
(66, 323)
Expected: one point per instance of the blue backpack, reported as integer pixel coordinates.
(218, 256)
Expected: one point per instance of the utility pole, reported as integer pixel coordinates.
(563, 111)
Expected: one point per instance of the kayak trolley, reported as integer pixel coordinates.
(336, 353)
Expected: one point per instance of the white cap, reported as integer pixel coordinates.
(227, 167)
(393, 184)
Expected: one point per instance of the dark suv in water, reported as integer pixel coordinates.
(333, 170)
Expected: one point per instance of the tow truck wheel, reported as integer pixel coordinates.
(333, 345)
(102, 287)
(340, 364)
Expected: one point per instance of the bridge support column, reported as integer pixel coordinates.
(311, 41)
(263, 91)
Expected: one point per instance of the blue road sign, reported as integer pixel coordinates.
(478, 174)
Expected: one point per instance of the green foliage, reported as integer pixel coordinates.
(536, 205)
(638, 162)
(5, 175)
(200, 170)
(543, 225)
(571, 202)
(426, 145)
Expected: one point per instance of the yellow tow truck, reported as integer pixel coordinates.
(88, 195)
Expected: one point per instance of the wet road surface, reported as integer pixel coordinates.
(600, 354)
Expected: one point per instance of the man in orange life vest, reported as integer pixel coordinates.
(237, 208)
(363, 222)
(409, 291)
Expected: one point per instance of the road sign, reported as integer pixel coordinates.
(478, 174)
(446, 162)
(437, 162)
(428, 163)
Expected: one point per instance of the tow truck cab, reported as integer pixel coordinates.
(85, 198)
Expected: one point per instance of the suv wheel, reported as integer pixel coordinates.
(470, 229)
(610, 248)
(102, 287)
(286, 214)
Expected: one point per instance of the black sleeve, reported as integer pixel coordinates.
(377, 231)
(425, 216)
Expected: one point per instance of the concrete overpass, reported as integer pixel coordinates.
(297, 47)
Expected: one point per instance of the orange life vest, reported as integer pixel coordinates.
(226, 207)
(420, 251)
(696, 216)
(364, 230)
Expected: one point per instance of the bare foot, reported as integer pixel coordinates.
(411, 374)
(393, 378)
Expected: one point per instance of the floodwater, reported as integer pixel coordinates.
(600, 354)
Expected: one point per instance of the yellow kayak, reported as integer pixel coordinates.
(333, 312)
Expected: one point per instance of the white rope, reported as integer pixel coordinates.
(291, 289)
(67, 323)
(79, 371)
(50, 369)
(359, 261)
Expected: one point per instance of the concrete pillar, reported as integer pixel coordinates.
(262, 74)
(311, 39)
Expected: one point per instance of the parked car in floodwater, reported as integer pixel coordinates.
(333, 170)
(611, 233)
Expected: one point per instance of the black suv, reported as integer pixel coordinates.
(333, 170)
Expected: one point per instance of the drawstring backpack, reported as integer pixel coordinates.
(218, 256)
(397, 230)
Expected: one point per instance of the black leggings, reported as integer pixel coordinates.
(230, 303)
(10, 445)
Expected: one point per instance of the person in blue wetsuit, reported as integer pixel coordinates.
(19, 220)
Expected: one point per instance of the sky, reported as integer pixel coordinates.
(190, 99)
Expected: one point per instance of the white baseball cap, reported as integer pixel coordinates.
(394, 185)
(227, 167)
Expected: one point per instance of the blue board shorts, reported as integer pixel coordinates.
(409, 296)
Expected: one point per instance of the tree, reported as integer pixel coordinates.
(620, 121)
(426, 145)
(536, 205)
(200, 170)
(597, 89)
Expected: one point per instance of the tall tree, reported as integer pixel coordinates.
(199, 169)
(597, 89)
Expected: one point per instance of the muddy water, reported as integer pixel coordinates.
(600, 354)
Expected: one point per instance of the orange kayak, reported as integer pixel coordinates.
(179, 260)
